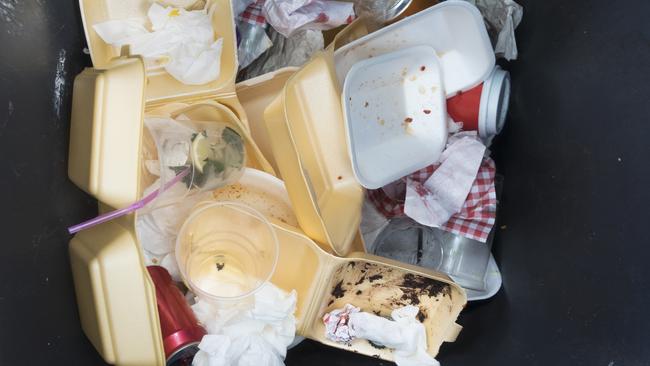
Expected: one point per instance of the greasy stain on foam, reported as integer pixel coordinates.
(59, 83)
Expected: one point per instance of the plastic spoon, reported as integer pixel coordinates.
(126, 210)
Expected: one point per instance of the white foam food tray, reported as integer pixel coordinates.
(395, 114)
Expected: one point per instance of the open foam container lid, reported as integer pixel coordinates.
(455, 29)
(161, 86)
(307, 134)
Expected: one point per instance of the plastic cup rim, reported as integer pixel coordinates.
(241, 207)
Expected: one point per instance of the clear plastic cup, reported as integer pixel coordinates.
(226, 251)
(465, 260)
(169, 149)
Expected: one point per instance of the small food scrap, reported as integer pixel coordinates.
(338, 290)
(408, 120)
(359, 292)
(220, 266)
(422, 68)
(427, 111)
(375, 278)
(365, 104)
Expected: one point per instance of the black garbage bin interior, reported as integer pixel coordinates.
(572, 243)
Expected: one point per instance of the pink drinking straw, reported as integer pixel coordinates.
(123, 211)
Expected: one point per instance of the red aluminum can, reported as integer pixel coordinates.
(181, 332)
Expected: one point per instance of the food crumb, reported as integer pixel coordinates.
(422, 68)
(339, 177)
(365, 104)
(427, 111)
(408, 120)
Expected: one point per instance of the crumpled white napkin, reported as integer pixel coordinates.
(253, 333)
(180, 40)
(444, 193)
(288, 16)
(404, 334)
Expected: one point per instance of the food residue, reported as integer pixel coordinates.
(339, 177)
(426, 111)
(220, 266)
(378, 289)
(408, 120)
(365, 104)
(422, 68)
(413, 78)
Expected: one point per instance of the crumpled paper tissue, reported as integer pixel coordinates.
(435, 201)
(502, 17)
(253, 333)
(182, 41)
(404, 334)
(288, 16)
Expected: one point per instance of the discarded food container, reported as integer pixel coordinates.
(465, 260)
(395, 114)
(226, 251)
(115, 294)
(255, 95)
(181, 331)
(261, 191)
(455, 29)
(484, 107)
(161, 85)
(307, 134)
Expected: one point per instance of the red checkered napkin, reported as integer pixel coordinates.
(253, 14)
(478, 214)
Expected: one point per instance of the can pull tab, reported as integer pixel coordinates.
(452, 332)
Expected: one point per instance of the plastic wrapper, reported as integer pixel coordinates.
(254, 42)
(292, 51)
(501, 18)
